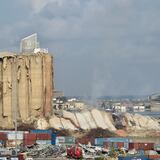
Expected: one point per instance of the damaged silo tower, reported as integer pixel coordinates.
(26, 84)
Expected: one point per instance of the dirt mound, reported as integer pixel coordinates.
(99, 132)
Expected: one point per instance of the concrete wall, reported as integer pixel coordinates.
(26, 85)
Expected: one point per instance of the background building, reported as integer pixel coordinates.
(155, 102)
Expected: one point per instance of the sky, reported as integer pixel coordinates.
(100, 47)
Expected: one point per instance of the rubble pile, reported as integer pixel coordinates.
(139, 122)
(99, 132)
(85, 120)
(94, 119)
(43, 151)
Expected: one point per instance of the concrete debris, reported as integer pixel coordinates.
(71, 116)
(55, 122)
(85, 120)
(94, 119)
(89, 119)
(139, 122)
(43, 151)
(67, 124)
(99, 119)
(82, 121)
(50, 151)
(42, 123)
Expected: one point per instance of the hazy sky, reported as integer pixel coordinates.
(100, 47)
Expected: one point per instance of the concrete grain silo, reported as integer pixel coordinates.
(26, 85)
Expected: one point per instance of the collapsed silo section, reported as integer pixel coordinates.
(26, 84)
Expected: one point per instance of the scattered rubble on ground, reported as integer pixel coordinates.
(43, 151)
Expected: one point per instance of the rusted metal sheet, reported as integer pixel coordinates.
(26, 84)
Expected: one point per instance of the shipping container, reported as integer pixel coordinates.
(126, 145)
(43, 136)
(141, 146)
(53, 139)
(3, 136)
(69, 140)
(100, 141)
(154, 157)
(60, 140)
(13, 136)
(30, 136)
(133, 158)
(157, 147)
(3, 158)
(85, 140)
(30, 139)
(21, 156)
(115, 145)
(14, 158)
(29, 158)
(107, 145)
(10, 131)
(17, 132)
(13, 131)
(43, 142)
(120, 144)
(41, 131)
(118, 139)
